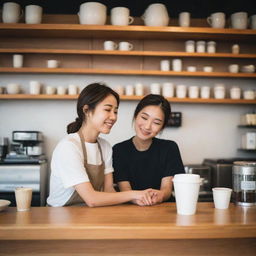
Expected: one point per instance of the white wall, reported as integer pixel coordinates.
(208, 130)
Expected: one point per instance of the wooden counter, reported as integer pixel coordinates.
(128, 230)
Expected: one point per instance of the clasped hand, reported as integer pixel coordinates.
(149, 197)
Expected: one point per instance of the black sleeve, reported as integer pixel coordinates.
(120, 170)
(173, 161)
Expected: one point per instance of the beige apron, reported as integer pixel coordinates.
(94, 172)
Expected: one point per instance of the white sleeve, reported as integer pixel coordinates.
(107, 155)
(68, 161)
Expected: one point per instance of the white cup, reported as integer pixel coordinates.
(221, 197)
(200, 46)
(211, 47)
(239, 20)
(235, 93)
(139, 89)
(181, 91)
(52, 63)
(168, 90)
(34, 87)
(120, 16)
(33, 14)
(184, 19)
(235, 49)
(233, 68)
(190, 46)
(165, 65)
(110, 46)
(216, 20)
(205, 92)
(129, 90)
(219, 91)
(72, 89)
(253, 21)
(17, 61)
(11, 12)
(13, 88)
(119, 89)
(23, 197)
(61, 90)
(249, 94)
(186, 187)
(50, 90)
(92, 13)
(155, 88)
(177, 65)
(191, 69)
(125, 46)
(193, 92)
(207, 68)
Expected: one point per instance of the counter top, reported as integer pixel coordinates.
(127, 222)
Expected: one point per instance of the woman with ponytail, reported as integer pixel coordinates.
(81, 167)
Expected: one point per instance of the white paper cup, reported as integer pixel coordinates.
(23, 198)
(221, 197)
(186, 188)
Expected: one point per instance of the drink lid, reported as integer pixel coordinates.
(187, 178)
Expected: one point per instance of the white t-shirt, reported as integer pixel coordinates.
(67, 166)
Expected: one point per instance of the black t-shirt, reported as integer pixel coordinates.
(145, 169)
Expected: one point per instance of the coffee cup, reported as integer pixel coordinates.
(125, 46)
(17, 61)
(165, 65)
(11, 12)
(120, 16)
(33, 14)
(233, 68)
(34, 87)
(184, 19)
(221, 197)
(216, 20)
(23, 198)
(92, 13)
(177, 65)
(13, 88)
(72, 89)
(168, 90)
(253, 21)
(52, 63)
(110, 46)
(186, 187)
(239, 20)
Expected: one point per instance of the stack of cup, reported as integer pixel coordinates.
(221, 197)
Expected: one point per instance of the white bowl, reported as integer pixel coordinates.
(248, 69)
(4, 204)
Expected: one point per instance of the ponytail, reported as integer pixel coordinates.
(74, 126)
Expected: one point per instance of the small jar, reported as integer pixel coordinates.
(193, 92)
(211, 47)
(139, 89)
(155, 88)
(235, 49)
(205, 92)
(219, 91)
(168, 90)
(235, 93)
(190, 46)
(181, 91)
(200, 46)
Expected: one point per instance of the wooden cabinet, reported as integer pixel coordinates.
(79, 48)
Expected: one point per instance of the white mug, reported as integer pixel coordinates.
(177, 65)
(216, 20)
(125, 46)
(120, 16)
(92, 13)
(110, 46)
(17, 61)
(72, 89)
(33, 14)
(13, 88)
(253, 21)
(34, 87)
(184, 19)
(52, 63)
(165, 65)
(239, 20)
(11, 12)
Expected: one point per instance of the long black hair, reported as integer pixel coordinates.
(91, 95)
(155, 100)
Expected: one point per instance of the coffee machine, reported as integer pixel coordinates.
(26, 147)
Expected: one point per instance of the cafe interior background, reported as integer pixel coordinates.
(206, 131)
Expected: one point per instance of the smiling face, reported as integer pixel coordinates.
(104, 116)
(149, 122)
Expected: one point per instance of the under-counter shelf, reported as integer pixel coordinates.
(125, 72)
(124, 32)
(125, 98)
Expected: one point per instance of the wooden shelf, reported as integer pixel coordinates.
(125, 98)
(129, 53)
(110, 32)
(125, 72)
(247, 126)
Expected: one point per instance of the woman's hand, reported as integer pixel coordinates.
(143, 197)
(157, 196)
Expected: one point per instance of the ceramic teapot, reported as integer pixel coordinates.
(156, 15)
(92, 13)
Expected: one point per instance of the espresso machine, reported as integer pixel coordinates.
(24, 166)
